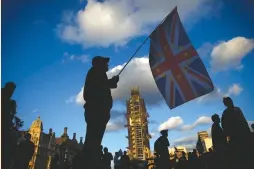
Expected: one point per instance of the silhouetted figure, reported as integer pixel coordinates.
(236, 127)
(106, 159)
(6, 111)
(98, 104)
(194, 158)
(182, 163)
(234, 123)
(125, 161)
(24, 152)
(218, 136)
(161, 147)
(117, 162)
(190, 160)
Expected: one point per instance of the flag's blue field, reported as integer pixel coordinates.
(176, 66)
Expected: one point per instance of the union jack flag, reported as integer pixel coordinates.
(178, 71)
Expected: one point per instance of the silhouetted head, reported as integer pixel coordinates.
(210, 150)
(216, 118)
(252, 126)
(228, 102)
(100, 63)
(164, 133)
(28, 136)
(116, 153)
(125, 152)
(105, 149)
(9, 89)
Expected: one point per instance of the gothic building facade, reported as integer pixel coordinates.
(67, 148)
(44, 145)
(137, 125)
(48, 147)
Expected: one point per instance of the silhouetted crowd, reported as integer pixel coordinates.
(233, 145)
(17, 149)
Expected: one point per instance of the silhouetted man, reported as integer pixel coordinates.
(6, 109)
(98, 104)
(236, 127)
(125, 161)
(106, 159)
(218, 136)
(234, 123)
(117, 162)
(161, 147)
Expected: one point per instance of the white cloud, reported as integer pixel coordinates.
(115, 22)
(171, 123)
(129, 78)
(200, 121)
(71, 57)
(115, 125)
(233, 90)
(229, 54)
(79, 97)
(117, 121)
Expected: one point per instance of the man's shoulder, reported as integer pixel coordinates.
(237, 109)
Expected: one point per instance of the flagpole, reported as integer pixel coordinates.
(134, 54)
(145, 41)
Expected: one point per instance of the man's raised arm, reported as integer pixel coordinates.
(113, 82)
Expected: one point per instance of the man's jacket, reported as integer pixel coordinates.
(97, 92)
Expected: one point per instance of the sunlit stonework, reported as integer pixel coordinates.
(137, 124)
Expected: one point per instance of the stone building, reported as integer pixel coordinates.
(67, 148)
(44, 145)
(137, 125)
(177, 152)
(204, 142)
(47, 146)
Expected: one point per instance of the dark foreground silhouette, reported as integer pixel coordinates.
(17, 150)
(233, 142)
(236, 152)
(97, 96)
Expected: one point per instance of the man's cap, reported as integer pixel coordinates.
(99, 60)
(164, 131)
(10, 85)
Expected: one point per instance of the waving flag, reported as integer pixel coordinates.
(178, 71)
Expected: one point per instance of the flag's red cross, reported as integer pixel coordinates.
(172, 62)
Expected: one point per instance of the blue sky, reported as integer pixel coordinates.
(47, 48)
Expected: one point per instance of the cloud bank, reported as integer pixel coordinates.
(116, 22)
(229, 54)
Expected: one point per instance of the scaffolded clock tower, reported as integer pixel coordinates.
(137, 124)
